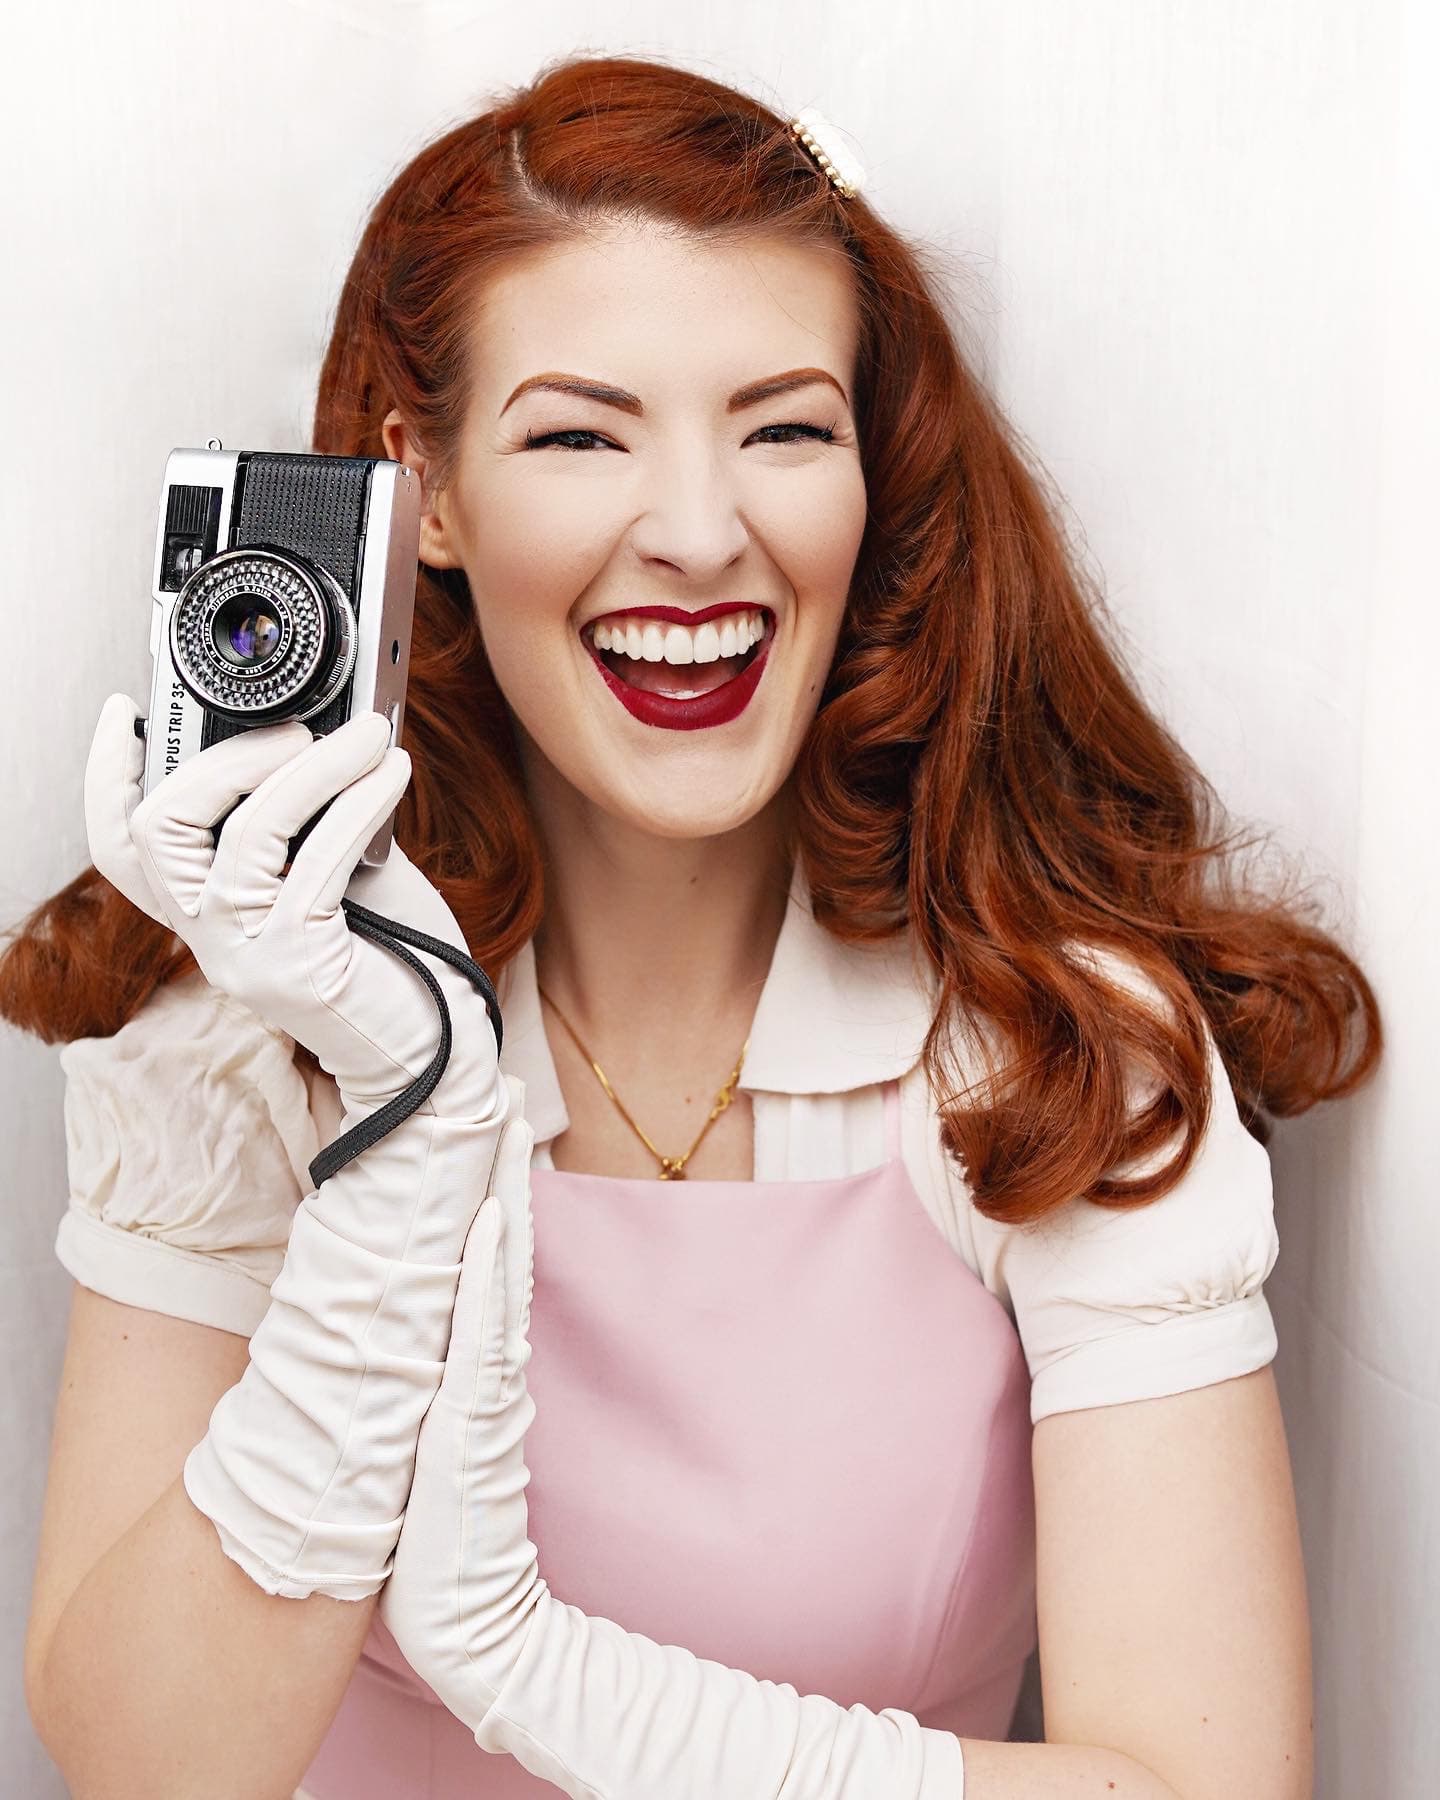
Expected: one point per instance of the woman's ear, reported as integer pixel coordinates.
(437, 549)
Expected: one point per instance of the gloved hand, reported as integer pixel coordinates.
(306, 1464)
(281, 944)
(601, 1713)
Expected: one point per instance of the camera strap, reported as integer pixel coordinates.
(391, 935)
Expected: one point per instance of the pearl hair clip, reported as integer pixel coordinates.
(820, 138)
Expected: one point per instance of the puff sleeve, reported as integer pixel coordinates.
(1117, 1306)
(188, 1135)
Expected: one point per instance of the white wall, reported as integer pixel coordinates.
(1195, 251)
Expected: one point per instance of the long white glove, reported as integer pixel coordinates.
(307, 1461)
(602, 1713)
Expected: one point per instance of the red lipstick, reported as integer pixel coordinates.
(718, 707)
(677, 615)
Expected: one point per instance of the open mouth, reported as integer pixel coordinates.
(659, 686)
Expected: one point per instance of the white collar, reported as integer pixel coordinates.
(831, 1017)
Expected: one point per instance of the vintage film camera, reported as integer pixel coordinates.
(284, 589)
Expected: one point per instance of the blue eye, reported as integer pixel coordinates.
(822, 433)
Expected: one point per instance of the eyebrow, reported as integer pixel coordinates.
(750, 395)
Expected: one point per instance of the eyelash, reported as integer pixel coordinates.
(824, 434)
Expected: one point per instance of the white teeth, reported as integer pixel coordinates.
(679, 644)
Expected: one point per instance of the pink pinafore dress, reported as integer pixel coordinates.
(780, 1423)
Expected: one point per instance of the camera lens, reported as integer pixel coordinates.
(246, 630)
(260, 635)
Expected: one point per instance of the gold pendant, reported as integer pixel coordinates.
(672, 1168)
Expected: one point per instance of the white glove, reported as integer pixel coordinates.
(307, 1462)
(602, 1713)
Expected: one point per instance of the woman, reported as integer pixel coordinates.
(764, 745)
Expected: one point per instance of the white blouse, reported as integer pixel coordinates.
(190, 1131)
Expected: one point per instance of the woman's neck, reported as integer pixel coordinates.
(655, 949)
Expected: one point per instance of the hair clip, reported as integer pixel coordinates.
(820, 138)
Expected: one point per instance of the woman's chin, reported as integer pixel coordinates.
(688, 822)
(681, 803)
(675, 784)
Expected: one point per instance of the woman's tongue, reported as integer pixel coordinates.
(673, 678)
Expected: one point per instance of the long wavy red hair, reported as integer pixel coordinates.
(982, 767)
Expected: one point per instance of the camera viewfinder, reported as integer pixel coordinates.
(192, 525)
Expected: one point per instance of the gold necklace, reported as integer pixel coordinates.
(672, 1168)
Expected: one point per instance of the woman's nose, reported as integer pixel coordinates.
(692, 516)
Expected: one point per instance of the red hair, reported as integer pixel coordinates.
(981, 767)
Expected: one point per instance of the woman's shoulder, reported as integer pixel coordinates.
(1114, 1305)
(189, 1132)
(196, 1046)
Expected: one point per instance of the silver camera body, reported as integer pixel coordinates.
(284, 588)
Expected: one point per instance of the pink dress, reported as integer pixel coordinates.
(780, 1423)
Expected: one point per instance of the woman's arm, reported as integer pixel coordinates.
(295, 1489)
(306, 1462)
(1174, 1623)
(153, 1665)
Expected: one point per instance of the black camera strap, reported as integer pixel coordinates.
(391, 935)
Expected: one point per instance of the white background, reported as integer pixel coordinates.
(1192, 246)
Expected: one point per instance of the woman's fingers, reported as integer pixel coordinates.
(325, 863)
(171, 828)
(112, 792)
(255, 843)
(160, 850)
(398, 890)
(335, 961)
